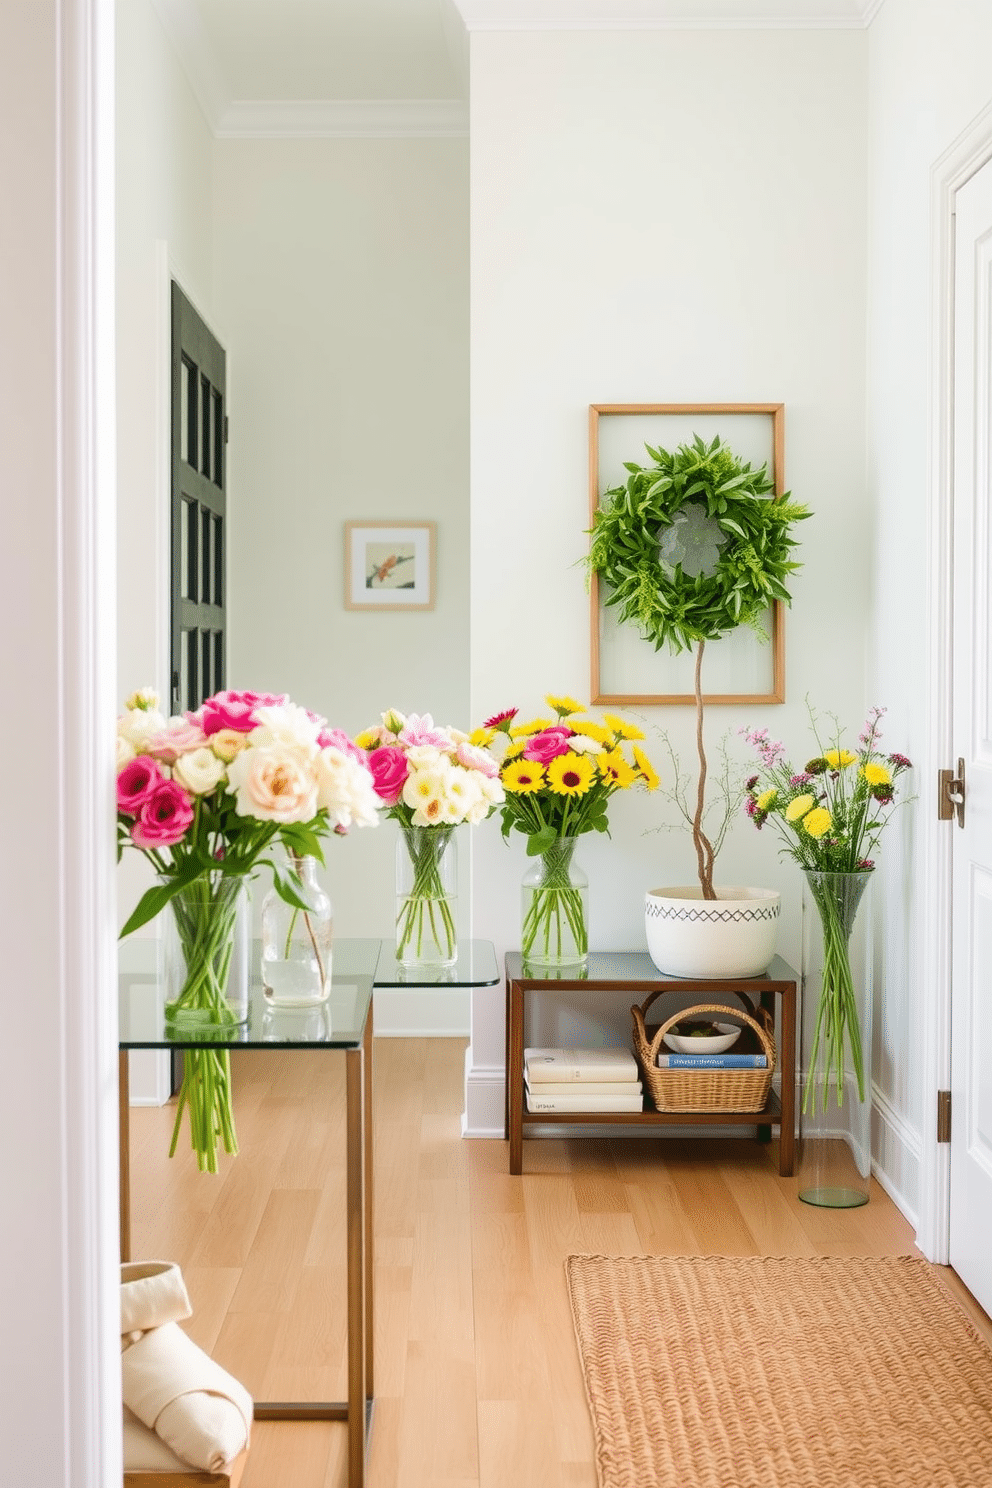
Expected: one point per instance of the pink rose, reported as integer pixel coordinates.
(546, 746)
(137, 783)
(419, 730)
(389, 771)
(181, 736)
(165, 817)
(338, 739)
(235, 710)
(477, 759)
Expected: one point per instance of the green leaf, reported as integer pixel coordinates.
(540, 842)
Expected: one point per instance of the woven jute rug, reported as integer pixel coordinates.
(707, 1372)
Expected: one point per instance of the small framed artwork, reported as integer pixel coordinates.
(389, 565)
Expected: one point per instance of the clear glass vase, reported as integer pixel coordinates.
(554, 927)
(835, 1040)
(426, 896)
(296, 943)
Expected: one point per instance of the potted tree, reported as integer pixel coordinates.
(690, 547)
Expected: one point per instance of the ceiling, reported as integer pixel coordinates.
(401, 66)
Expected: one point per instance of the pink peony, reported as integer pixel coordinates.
(477, 759)
(389, 771)
(337, 739)
(137, 783)
(419, 730)
(235, 710)
(165, 817)
(547, 745)
(181, 736)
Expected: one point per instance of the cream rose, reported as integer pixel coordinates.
(125, 752)
(199, 772)
(139, 725)
(345, 790)
(273, 785)
(288, 726)
(227, 742)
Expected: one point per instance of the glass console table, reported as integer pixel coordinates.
(342, 1025)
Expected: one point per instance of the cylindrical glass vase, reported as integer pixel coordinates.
(426, 896)
(205, 951)
(835, 1040)
(296, 943)
(554, 929)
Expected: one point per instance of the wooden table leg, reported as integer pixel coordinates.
(124, 1147)
(515, 1077)
(357, 1392)
(369, 1216)
(506, 1060)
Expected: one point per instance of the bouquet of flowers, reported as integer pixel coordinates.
(207, 797)
(559, 774)
(430, 780)
(830, 814)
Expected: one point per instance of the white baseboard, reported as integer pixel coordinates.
(484, 1099)
(896, 1156)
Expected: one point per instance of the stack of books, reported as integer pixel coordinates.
(582, 1080)
(730, 1060)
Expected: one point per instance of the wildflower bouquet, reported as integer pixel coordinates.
(559, 774)
(430, 780)
(206, 797)
(830, 814)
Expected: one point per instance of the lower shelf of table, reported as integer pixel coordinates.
(769, 1115)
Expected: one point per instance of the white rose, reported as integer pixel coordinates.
(273, 785)
(138, 725)
(345, 790)
(286, 725)
(199, 772)
(426, 757)
(581, 744)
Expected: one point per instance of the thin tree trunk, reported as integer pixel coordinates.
(704, 848)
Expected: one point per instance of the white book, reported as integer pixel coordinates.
(560, 1065)
(580, 1102)
(550, 1088)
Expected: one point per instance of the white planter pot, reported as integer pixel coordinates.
(731, 936)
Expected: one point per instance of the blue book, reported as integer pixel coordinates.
(712, 1061)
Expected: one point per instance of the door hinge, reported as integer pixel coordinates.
(943, 1115)
(950, 794)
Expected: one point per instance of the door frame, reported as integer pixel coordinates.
(969, 152)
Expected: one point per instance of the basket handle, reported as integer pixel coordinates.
(762, 1029)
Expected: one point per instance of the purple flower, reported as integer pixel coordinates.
(798, 780)
(900, 762)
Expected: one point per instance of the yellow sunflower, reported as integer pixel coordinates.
(614, 767)
(522, 776)
(765, 799)
(621, 727)
(839, 759)
(817, 822)
(799, 807)
(521, 730)
(877, 774)
(592, 730)
(571, 774)
(649, 775)
(564, 706)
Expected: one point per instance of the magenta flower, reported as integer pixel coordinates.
(548, 745)
(137, 783)
(900, 762)
(236, 710)
(337, 739)
(165, 817)
(389, 771)
(498, 719)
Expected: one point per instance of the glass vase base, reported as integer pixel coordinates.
(295, 984)
(236, 1016)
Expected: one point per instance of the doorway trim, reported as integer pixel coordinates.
(969, 152)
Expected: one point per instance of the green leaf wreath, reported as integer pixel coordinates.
(684, 589)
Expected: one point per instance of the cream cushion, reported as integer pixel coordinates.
(199, 1410)
(146, 1452)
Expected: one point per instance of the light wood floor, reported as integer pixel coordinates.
(477, 1379)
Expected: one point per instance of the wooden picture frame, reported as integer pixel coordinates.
(389, 565)
(620, 659)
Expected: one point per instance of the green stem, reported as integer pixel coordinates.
(554, 919)
(837, 1019)
(424, 912)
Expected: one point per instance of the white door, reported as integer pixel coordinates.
(971, 950)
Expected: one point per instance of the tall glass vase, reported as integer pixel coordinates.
(206, 993)
(835, 1040)
(554, 928)
(426, 896)
(296, 943)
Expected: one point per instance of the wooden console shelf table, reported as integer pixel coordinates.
(623, 973)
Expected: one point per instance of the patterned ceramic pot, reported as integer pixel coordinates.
(731, 936)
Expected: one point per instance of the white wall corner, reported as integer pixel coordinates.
(485, 1085)
(181, 23)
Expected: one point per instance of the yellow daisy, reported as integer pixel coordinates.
(571, 774)
(621, 727)
(521, 776)
(877, 775)
(649, 775)
(615, 768)
(521, 730)
(799, 807)
(839, 759)
(765, 799)
(564, 706)
(480, 737)
(514, 750)
(817, 822)
(592, 730)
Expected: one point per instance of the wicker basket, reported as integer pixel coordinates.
(703, 1089)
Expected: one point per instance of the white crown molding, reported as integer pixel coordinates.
(666, 15)
(197, 58)
(381, 118)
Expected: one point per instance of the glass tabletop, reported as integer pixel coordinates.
(605, 967)
(475, 966)
(339, 1023)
